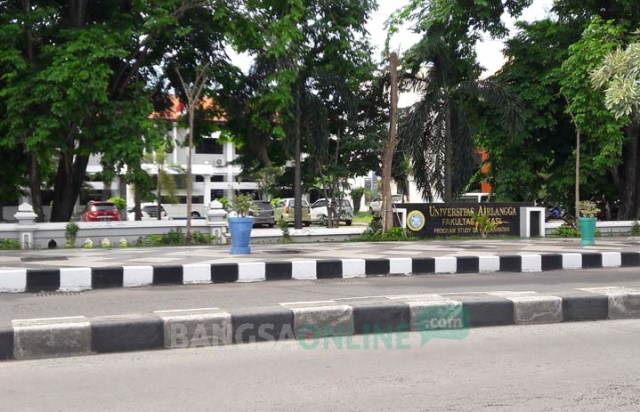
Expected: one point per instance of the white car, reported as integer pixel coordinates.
(149, 212)
(376, 204)
(319, 213)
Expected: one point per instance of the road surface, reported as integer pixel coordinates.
(239, 295)
(588, 366)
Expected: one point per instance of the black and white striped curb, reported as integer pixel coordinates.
(41, 338)
(74, 279)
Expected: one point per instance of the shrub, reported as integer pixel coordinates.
(120, 203)
(356, 195)
(225, 202)
(203, 238)
(566, 231)
(484, 223)
(374, 232)
(635, 229)
(173, 237)
(9, 244)
(70, 233)
(284, 226)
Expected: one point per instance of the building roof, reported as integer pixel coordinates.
(178, 108)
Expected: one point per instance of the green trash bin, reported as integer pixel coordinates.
(587, 230)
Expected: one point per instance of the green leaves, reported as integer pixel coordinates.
(619, 74)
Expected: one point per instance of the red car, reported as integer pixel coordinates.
(100, 212)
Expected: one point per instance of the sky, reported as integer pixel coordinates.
(489, 51)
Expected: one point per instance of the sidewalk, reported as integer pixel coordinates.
(165, 256)
(84, 269)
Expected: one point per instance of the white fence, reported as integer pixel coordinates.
(610, 228)
(33, 235)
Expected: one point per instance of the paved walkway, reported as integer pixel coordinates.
(159, 256)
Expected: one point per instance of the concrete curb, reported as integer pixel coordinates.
(69, 336)
(85, 278)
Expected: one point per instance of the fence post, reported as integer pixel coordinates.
(26, 225)
(217, 223)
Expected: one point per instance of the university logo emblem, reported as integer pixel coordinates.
(416, 220)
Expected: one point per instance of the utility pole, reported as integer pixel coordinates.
(387, 160)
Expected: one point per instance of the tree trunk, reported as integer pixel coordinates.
(387, 204)
(628, 198)
(577, 189)
(297, 180)
(189, 185)
(68, 183)
(158, 195)
(35, 186)
(448, 154)
(636, 137)
(106, 190)
(137, 200)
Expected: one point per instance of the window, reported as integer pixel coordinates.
(209, 146)
(217, 178)
(199, 178)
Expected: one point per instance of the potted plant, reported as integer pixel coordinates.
(240, 225)
(587, 221)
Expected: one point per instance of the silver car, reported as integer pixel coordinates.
(319, 213)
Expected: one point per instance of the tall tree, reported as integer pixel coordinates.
(78, 76)
(438, 132)
(620, 77)
(531, 164)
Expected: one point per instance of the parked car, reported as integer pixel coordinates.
(152, 210)
(285, 209)
(320, 214)
(376, 204)
(149, 212)
(131, 215)
(262, 213)
(100, 212)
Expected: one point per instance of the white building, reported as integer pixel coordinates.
(212, 170)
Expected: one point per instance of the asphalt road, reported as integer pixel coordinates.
(240, 295)
(588, 366)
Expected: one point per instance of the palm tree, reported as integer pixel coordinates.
(438, 131)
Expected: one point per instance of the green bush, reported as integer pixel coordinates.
(70, 233)
(173, 237)
(203, 238)
(356, 195)
(9, 244)
(374, 232)
(284, 226)
(566, 231)
(120, 203)
(635, 229)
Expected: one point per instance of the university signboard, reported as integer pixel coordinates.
(455, 219)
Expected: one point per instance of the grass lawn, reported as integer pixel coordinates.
(362, 218)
